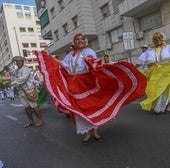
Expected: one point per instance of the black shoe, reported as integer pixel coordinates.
(85, 142)
(100, 139)
(157, 113)
(160, 113)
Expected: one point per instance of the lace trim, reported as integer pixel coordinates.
(82, 125)
(162, 103)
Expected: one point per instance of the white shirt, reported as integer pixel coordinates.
(76, 64)
(150, 56)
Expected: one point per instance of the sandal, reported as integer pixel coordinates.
(168, 108)
(40, 124)
(85, 142)
(29, 125)
(98, 139)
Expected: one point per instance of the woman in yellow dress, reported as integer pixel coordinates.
(158, 85)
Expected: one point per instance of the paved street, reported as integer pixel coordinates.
(136, 139)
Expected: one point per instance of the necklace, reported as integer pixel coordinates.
(158, 51)
(74, 63)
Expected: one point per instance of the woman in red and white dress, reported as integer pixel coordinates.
(93, 92)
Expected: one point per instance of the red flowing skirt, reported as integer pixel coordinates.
(97, 96)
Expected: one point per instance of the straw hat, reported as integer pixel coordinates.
(18, 58)
(144, 46)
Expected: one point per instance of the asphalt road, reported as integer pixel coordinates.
(136, 139)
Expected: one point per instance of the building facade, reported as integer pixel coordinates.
(116, 27)
(20, 34)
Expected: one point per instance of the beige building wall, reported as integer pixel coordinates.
(104, 22)
(20, 34)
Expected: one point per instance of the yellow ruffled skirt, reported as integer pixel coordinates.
(158, 83)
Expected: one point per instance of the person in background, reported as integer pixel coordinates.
(93, 92)
(12, 94)
(59, 57)
(158, 76)
(23, 81)
(2, 94)
(106, 59)
(141, 61)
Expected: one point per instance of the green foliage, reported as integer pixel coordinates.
(3, 83)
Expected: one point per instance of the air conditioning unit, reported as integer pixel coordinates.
(139, 35)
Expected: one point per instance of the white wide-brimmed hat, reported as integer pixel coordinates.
(144, 46)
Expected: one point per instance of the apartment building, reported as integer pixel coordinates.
(20, 34)
(116, 27)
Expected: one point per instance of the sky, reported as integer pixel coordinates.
(25, 2)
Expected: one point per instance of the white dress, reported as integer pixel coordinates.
(76, 65)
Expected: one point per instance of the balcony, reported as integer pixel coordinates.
(132, 7)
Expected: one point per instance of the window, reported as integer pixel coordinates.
(33, 45)
(75, 21)
(18, 7)
(65, 27)
(52, 11)
(48, 36)
(29, 61)
(116, 35)
(34, 59)
(25, 45)
(7, 50)
(33, 52)
(27, 8)
(30, 29)
(19, 14)
(116, 6)
(5, 43)
(24, 53)
(61, 4)
(22, 29)
(56, 35)
(8, 57)
(28, 52)
(43, 44)
(27, 14)
(37, 22)
(105, 10)
(94, 44)
(150, 21)
(42, 4)
(35, 11)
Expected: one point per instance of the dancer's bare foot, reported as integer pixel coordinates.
(86, 139)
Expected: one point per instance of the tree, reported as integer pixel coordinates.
(3, 83)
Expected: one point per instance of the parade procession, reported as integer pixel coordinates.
(84, 84)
